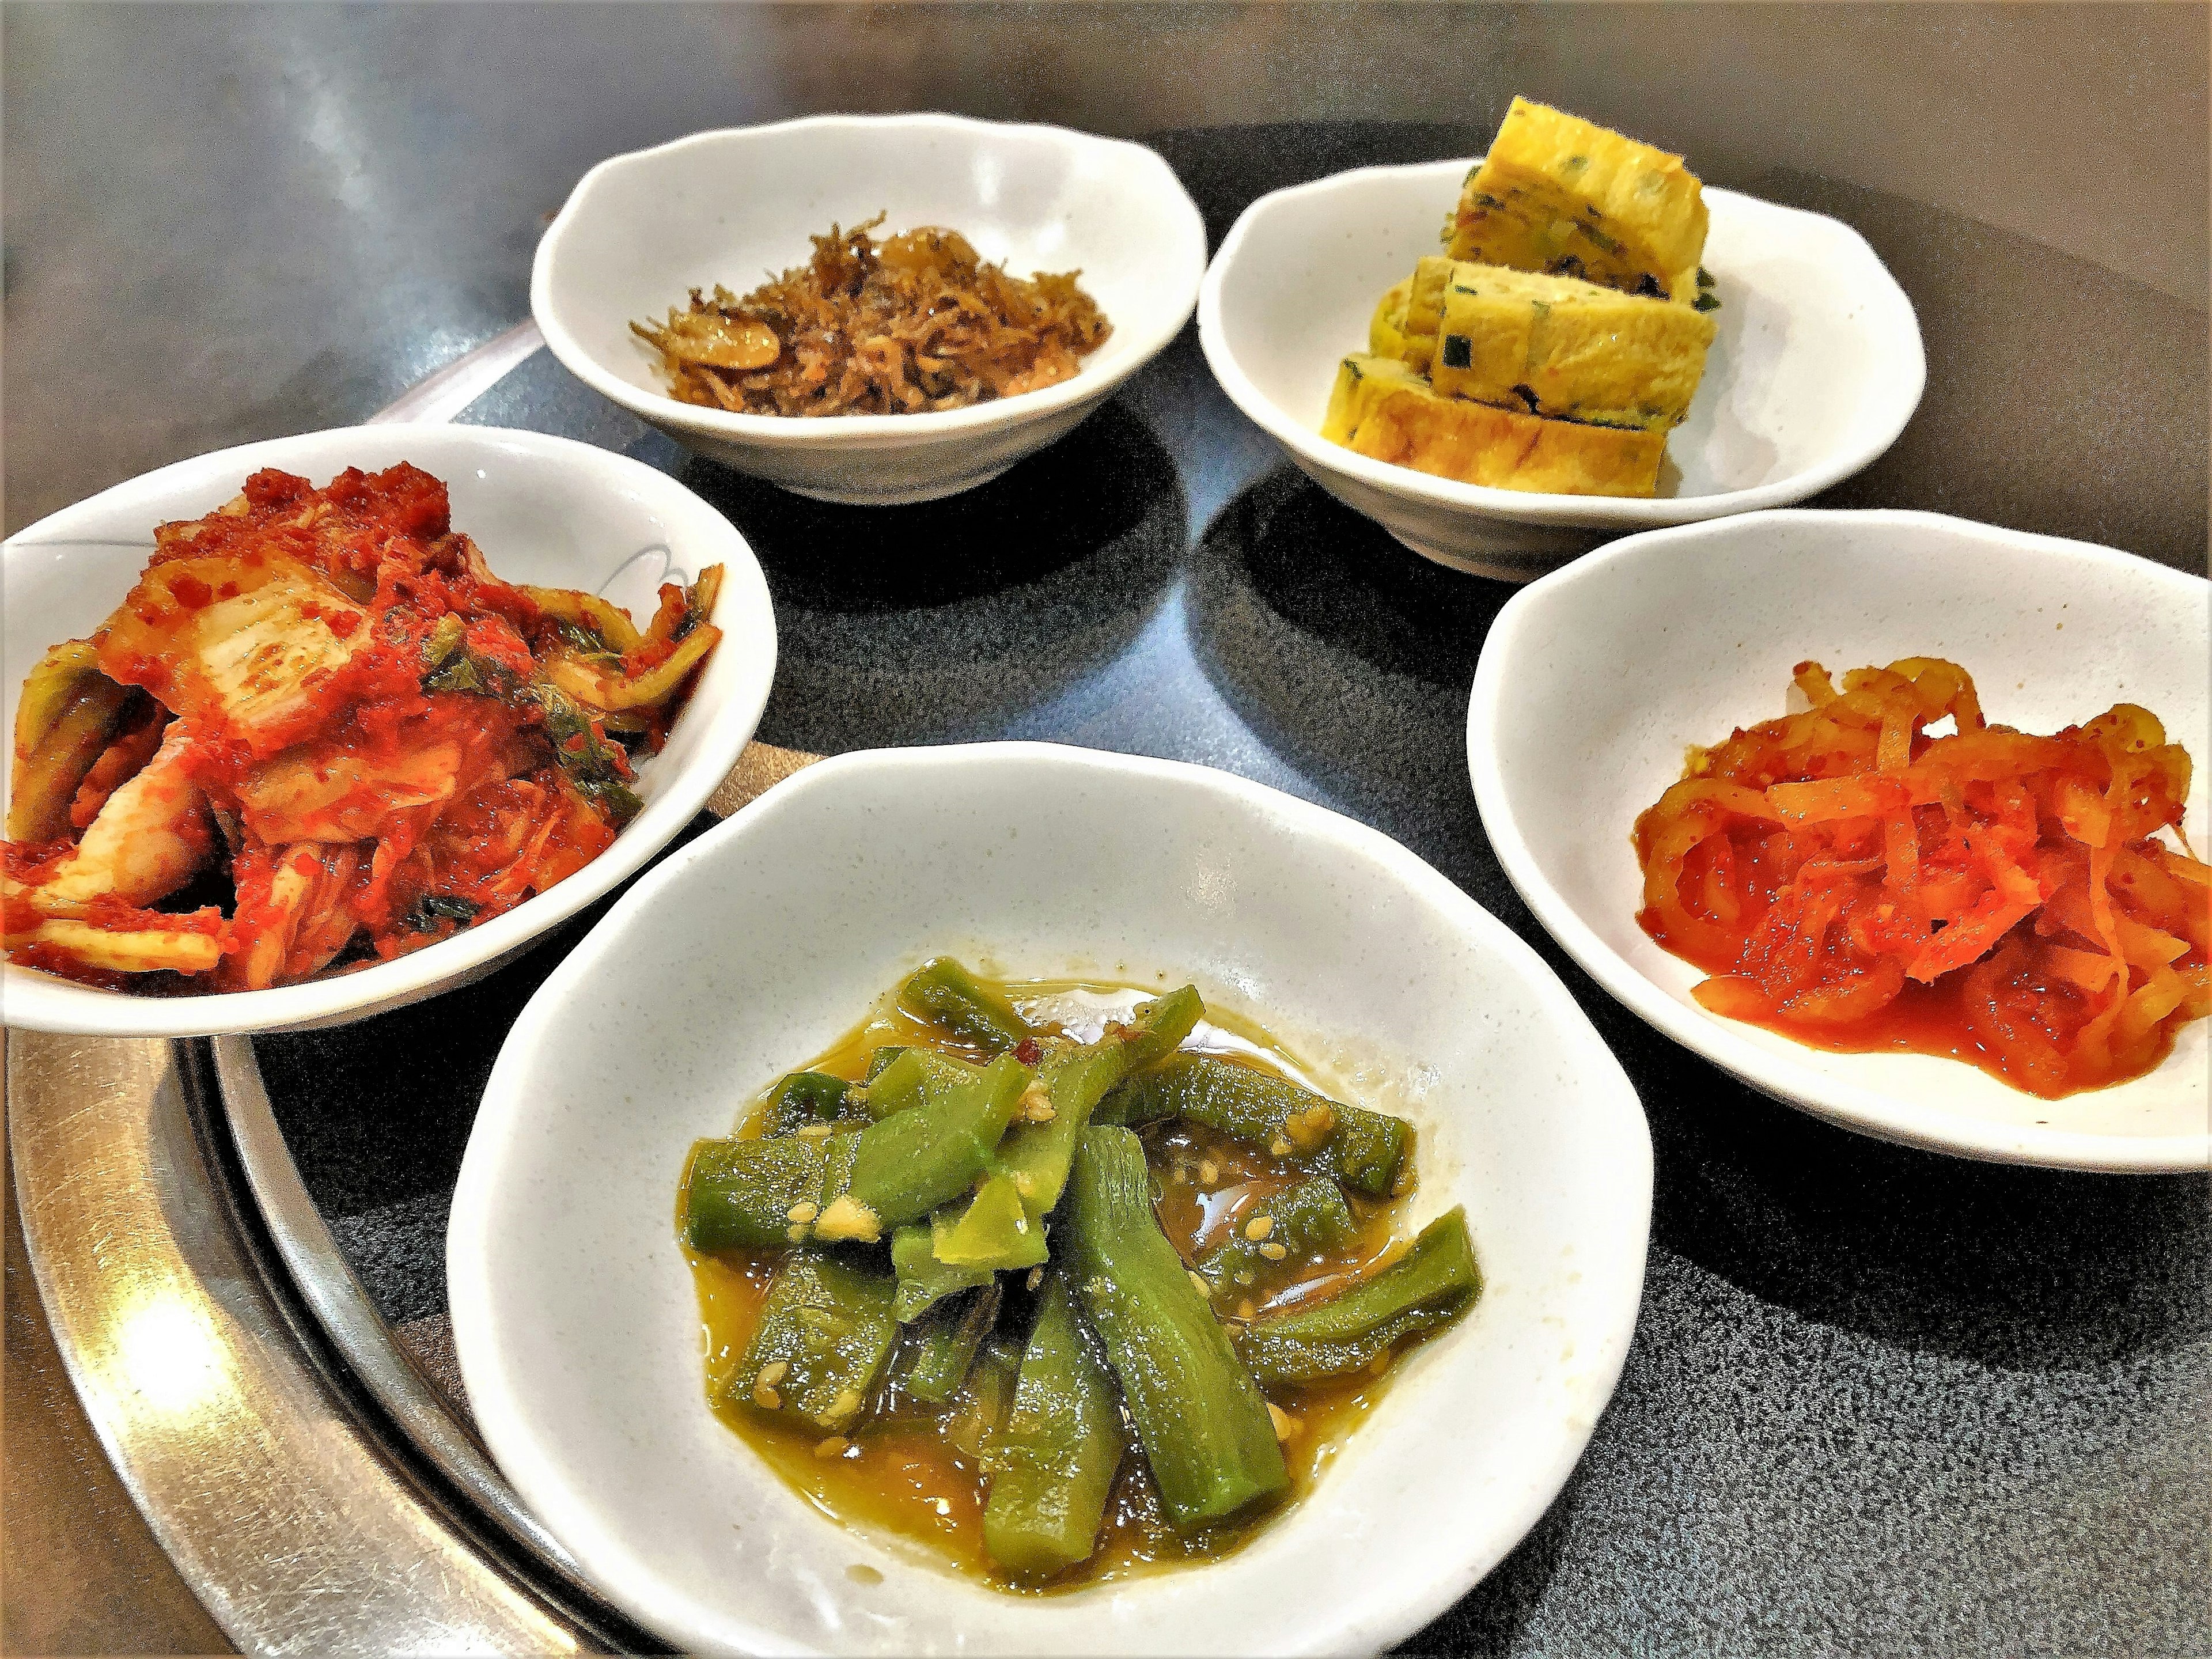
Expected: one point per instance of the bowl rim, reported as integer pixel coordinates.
(545, 1487)
(1619, 513)
(1785, 1076)
(873, 431)
(743, 610)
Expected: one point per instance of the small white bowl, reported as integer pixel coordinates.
(642, 230)
(1816, 369)
(757, 945)
(1594, 680)
(545, 511)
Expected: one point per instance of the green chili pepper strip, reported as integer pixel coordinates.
(1431, 1284)
(1157, 1029)
(1037, 1155)
(944, 1345)
(908, 1163)
(947, 994)
(800, 1098)
(923, 1280)
(912, 1076)
(994, 1231)
(1363, 1150)
(1205, 1429)
(740, 1194)
(825, 1334)
(787, 1189)
(1053, 1466)
(1310, 1216)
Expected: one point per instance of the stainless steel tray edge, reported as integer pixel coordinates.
(276, 1506)
(350, 1320)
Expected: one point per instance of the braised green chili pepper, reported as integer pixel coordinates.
(1431, 1284)
(1206, 1431)
(1157, 1029)
(1053, 1465)
(944, 1345)
(1310, 1216)
(1363, 1150)
(750, 1194)
(947, 994)
(923, 1280)
(912, 1076)
(994, 1231)
(824, 1335)
(908, 1163)
(972, 1429)
(801, 1098)
(1038, 1154)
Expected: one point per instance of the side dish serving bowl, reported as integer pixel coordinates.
(734, 207)
(1815, 370)
(1594, 681)
(751, 948)
(544, 510)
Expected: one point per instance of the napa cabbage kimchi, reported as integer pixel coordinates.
(319, 732)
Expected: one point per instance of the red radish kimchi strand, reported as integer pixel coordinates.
(1852, 881)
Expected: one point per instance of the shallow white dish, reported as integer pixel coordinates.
(1594, 680)
(642, 230)
(544, 510)
(573, 1307)
(1816, 369)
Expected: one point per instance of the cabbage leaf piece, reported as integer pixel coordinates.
(236, 643)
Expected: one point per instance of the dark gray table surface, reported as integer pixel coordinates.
(1878, 1401)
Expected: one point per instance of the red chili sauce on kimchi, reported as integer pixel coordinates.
(319, 731)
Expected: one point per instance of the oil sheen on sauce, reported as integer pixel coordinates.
(914, 1470)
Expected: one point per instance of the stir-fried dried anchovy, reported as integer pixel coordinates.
(917, 323)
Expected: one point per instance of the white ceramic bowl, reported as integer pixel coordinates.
(1594, 681)
(753, 947)
(1816, 369)
(544, 510)
(642, 230)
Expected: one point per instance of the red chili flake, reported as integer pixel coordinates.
(227, 591)
(1029, 1051)
(189, 592)
(343, 623)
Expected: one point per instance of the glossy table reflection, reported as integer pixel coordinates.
(1879, 1401)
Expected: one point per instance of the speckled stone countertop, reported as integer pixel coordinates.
(1879, 1401)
